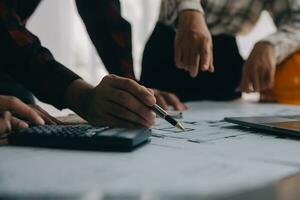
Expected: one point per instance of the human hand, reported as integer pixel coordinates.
(11, 110)
(50, 120)
(259, 69)
(166, 99)
(119, 102)
(193, 44)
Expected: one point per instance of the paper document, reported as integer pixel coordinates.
(211, 159)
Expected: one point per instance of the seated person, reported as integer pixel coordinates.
(186, 42)
(26, 65)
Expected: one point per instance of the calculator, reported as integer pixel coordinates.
(83, 137)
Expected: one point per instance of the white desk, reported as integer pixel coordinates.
(223, 163)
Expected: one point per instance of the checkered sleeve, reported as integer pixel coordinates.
(189, 5)
(286, 40)
(170, 8)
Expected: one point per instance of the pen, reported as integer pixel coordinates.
(163, 114)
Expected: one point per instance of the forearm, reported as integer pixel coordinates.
(28, 62)
(286, 16)
(77, 95)
(110, 33)
(284, 43)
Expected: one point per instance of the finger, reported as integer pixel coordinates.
(135, 89)
(241, 86)
(194, 70)
(162, 102)
(191, 56)
(211, 66)
(125, 114)
(272, 76)
(270, 79)
(245, 83)
(5, 123)
(151, 90)
(131, 103)
(48, 120)
(185, 59)
(45, 115)
(173, 100)
(178, 57)
(20, 109)
(248, 84)
(18, 124)
(255, 79)
(205, 59)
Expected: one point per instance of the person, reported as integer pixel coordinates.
(186, 42)
(111, 35)
(193, 36)
(25, 65)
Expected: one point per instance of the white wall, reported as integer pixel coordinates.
(53, 23)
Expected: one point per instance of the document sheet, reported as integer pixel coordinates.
(212, 159)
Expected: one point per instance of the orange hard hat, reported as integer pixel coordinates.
(286, 88)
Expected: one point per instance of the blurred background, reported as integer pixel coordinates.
(61, 30)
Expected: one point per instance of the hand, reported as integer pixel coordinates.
(259, 69)
(193, 44)
(48, 119)
(116, 101)
(166, 99)
(11, 109)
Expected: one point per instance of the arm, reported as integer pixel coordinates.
(114, 102)
(24, 59)
(110, 33)
(193, 43)
(259, 69)
(286, 40)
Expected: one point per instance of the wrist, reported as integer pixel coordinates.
(265, 48)
(192, 5)
(190, 17)
(78, 95)
(264, 44)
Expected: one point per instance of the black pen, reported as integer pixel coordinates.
(163, 114)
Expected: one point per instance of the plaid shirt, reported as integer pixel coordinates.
(236, 17)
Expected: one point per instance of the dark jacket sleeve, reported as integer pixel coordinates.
(24, 59)
(110, 33)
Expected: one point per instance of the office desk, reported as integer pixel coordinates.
(224, 162)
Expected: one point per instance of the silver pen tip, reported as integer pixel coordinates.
(179, 126)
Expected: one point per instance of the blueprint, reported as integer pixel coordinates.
(212, 159)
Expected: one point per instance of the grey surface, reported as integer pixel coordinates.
(214, 161)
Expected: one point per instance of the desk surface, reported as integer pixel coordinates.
(215, 161)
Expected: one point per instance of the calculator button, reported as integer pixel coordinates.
(109, 132)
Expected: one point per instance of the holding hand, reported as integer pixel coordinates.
(193, 44)
(118, 102)
(259, 69)
(166, 99)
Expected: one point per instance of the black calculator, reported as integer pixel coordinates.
(85, 137)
